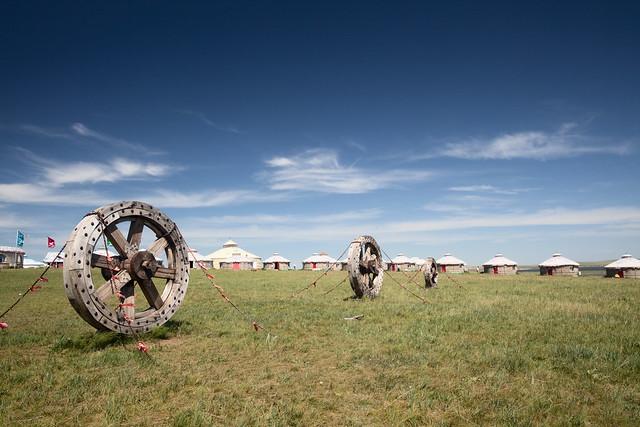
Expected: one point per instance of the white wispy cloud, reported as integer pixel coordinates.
(209, 198)
(84, 131)
(37, 194)
(320, 170)
(204, 119)
(545, 217)
(46, 132)
(57, 173)
(278, 230)
(485, 188)
(539, 145)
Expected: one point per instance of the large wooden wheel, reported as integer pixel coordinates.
(160, 272)
(365, 267)
(430, 271)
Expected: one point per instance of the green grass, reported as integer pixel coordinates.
(523, 350)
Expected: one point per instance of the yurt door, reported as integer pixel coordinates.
(550, 271)
(444, 268)
(277, 266)
(621, 274)
(314, 265)
(495, 270)
(236, 266)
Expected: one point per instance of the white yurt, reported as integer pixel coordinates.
(500, 264)
(450, 264)
(53, 260)
(320, 261)
(276, 262)
(559, 265)
(401, 262)
(229, 249)
(196, 259)
(11, 257)
(626, 267)
(32, 263)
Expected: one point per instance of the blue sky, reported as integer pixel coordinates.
(456, 127)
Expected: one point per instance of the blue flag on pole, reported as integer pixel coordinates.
(19, 239)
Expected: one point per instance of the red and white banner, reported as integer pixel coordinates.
(50, 242)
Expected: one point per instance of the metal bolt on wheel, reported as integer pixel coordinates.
(365, 267)
(160, 272)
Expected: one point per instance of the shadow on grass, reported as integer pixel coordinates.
(100, 340)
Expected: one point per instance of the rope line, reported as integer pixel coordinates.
(33, 286)
(256, 326)
(424, 301)
(324, 273)
(336, 286)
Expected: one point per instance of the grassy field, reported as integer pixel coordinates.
(523, 350)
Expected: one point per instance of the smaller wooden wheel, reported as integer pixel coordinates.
(430, 271)
(365, 267)
(159, 274)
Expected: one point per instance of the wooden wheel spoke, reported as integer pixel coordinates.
(150, 292)
(135, 232)
(165, 273)
(158, 246)
(116, 237)
(102, 261)
(112, 286)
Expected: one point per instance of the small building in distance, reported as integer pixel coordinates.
(53, 260)
(500, 264)
(343, 264)
(450, 264)
(32, 263)
(229, 249)
(558, 265)
(11, 257)
(276, 262)
(237, 262)
(320, 261)
(626, 267)
(402, 263)
(196, 259)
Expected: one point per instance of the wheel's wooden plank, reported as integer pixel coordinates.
(158, 246)
(112, 286)
(165, 273)
(150, 292)
(135, 232)
(116, 237)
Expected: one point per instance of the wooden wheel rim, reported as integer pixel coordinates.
(363, 281)
(90, 300)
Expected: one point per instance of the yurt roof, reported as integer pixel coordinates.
(402, 259)
(276, 257)
(499, 260)
(417, 260)
(195, 256)
(320, 258)
(50, 256)
(557, 260)
(625, 261)
(12, 249)
(229, 249)
(448, 259)
(28, 262)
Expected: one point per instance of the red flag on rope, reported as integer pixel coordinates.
(50, 242)
(4, 325)
(35, 288)
(43, 279)
(142, 347)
